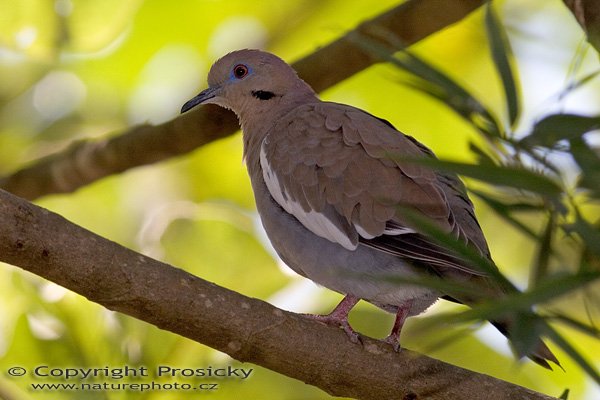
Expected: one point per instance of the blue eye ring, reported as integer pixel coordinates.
(240, 71)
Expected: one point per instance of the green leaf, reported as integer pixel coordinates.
(540, 268)
(481, 264)
(580, 326)
(574, 354)
(440, 86)
(589, 234)
(556, 127)
(525, 333)
(504, 211)
(577, 84)
(482, 156)
(500, 48)
(515, 177)
(589, 163)
(522, 302)
(433, 82)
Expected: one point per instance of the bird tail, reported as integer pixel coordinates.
(539, 353)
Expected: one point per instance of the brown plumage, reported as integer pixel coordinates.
(331, 182)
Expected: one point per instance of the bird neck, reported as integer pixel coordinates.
(257, 120)
(258, 115)
(255, 111)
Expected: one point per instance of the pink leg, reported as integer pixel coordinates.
(394, 336)
(339, 316)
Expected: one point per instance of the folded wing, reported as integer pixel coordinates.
(343, 174)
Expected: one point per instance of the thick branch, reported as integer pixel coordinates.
(587, 13)
(247, 329)
(86, 161)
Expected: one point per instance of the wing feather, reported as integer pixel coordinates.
(340, 172)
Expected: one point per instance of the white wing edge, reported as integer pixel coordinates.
(314, 221)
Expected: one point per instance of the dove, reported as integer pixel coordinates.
(330, 186)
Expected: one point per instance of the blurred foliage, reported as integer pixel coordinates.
(524, 167)
(528, 147)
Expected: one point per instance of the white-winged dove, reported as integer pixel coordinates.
(330, 187)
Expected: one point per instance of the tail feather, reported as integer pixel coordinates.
(541, 354)
(537, 350)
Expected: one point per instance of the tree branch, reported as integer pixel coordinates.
(587, 13)
(247, 329)
(87, 161)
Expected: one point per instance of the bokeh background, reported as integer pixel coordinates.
(75, 69)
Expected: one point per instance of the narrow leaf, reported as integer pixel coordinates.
(556, 127)
(564, 395)
(504, 211)
(589, 234)
(510, 176)
(540, 268)
(525, 333)
(482, 156)
(580, 326)
(501, 52)
(589, 163)
(577, 84)
(435, 83)
(449, 91)
(472, 257)
(574, 354)
(517, 302)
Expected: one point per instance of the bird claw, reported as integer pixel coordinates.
(393, 338)
(339, 317)
(393, 341)
(341, 323)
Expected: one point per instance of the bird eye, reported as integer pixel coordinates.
(240, 71)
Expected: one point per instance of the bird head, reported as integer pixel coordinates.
(251, 81)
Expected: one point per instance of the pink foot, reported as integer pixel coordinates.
(339, 317)
(394, 341)
(394, 337)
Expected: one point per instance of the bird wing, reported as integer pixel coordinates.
(339, 171)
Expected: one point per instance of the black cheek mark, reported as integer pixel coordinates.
(262, 94)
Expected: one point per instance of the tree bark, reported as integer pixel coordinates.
(89, 160)
(247, 329)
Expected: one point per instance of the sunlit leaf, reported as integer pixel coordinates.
(573, 353)
(437, 84)
(482, 156)
(580, 326)
(588, 233)
(501, 52)
(449, 91)
(504, 211)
